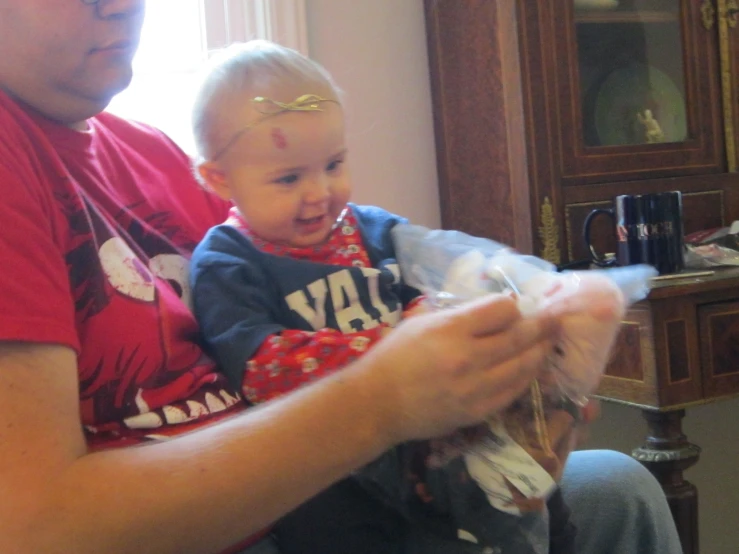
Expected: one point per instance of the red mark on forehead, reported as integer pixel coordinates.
(279, 139)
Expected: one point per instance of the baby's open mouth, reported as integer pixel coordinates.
(311, 220)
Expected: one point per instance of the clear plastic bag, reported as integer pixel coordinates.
(513, 458)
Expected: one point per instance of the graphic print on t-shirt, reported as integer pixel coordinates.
(338, 295)
(138, 378)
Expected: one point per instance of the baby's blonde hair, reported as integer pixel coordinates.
(243, 71)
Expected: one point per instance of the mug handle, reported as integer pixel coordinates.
(597, 258)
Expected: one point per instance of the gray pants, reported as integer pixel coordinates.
(617, 506)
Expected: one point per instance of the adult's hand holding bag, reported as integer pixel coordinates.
(513, 458)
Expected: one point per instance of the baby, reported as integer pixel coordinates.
(299, 282)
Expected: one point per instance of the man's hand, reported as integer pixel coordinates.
(445, 370)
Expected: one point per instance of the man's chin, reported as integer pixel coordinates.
(107, 82)
(98, 83)
(115, 86)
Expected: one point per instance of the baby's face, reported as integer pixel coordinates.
(288, 178)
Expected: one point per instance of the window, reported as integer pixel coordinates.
(178, 36)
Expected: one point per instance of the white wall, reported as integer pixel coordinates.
(376, 49)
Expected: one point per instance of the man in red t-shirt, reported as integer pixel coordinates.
(98, 349)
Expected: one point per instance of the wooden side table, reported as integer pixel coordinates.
(677, 349)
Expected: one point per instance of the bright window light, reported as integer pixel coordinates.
(166, 69)
(176, 40)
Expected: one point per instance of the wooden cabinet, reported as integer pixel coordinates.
(719, 339)
(537, 109)
(680, 347)
(545, 111)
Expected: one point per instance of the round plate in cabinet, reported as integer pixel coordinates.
(623, 98)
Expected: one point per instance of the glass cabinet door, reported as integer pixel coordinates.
(631, 70)
(637, 84)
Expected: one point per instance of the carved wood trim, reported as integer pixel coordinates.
(549, 234)
(727, 93)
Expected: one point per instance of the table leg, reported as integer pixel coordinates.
(666, 454)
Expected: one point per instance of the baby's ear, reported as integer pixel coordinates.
(214, 178)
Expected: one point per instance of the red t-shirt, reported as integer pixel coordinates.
(97, 229)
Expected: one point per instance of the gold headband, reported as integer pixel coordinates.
(270, 108)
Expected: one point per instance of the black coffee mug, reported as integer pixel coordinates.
(649, 230)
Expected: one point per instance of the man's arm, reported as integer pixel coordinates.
(199, 493)
(207, 490)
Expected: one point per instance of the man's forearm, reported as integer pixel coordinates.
(207, 491)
